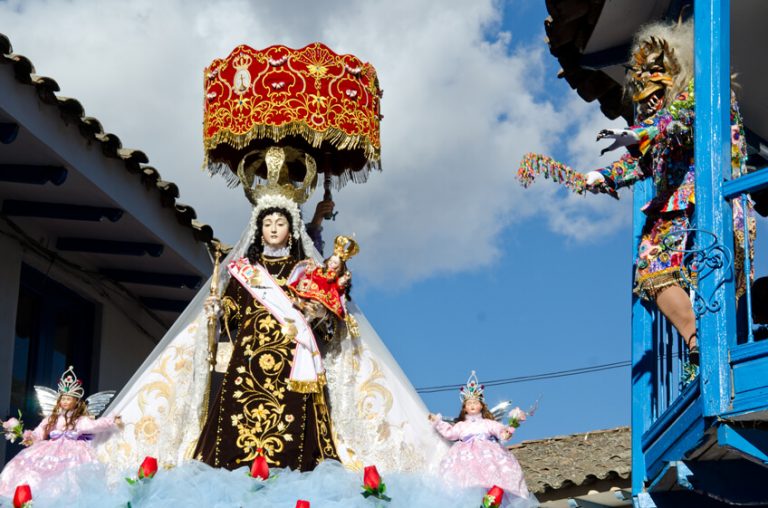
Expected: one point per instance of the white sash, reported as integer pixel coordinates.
(307, 373)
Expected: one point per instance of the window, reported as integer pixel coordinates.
(54, 329)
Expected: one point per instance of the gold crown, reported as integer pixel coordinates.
(345, 247)
(242, 61)
(278, 180)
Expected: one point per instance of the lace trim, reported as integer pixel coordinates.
(276, 252)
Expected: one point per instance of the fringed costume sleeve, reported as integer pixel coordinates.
(623, 173)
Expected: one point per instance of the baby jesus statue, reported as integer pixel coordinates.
(323, 288)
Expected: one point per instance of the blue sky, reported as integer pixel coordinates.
(535, 310)
(460, 269)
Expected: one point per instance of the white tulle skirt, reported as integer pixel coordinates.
(194, 484)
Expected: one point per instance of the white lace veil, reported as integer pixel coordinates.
(378, 417)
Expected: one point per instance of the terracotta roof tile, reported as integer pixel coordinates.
(575, 460)
(72, 111)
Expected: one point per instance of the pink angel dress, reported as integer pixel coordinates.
(478, 459)
(45, 459)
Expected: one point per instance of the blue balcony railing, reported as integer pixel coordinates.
(673, 412)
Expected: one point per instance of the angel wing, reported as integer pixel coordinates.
(98, 402)
(499, 410)
(46, 399)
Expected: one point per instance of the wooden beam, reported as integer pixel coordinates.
(712, 147)
(33, 174)
(100, 246)
(173, 280)
(165, 304)
(64, 211)
(8, 132)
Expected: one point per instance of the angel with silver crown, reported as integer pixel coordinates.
(62, 441)
(478, 457)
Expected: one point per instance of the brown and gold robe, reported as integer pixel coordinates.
(253, 408)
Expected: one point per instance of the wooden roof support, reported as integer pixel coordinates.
(99, 246)
(63, 211)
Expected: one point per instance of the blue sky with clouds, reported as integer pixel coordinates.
(535, 309)
(460, 267)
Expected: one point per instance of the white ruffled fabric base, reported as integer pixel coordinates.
(194, 484)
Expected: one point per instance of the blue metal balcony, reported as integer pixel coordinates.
(702, 440)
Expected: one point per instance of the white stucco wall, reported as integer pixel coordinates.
(123, 349)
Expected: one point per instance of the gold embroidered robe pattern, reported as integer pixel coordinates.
(254, 409)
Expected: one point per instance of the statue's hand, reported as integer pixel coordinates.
(212, 306)
(620, 137)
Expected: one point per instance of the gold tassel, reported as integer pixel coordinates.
(338, 138)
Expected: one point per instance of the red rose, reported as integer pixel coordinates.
(22, 496)
(302, 504)
(371, 478)
(495, 494)
(260, 469)
(148, 468)
(372, 484)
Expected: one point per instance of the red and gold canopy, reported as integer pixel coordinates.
(311, 98)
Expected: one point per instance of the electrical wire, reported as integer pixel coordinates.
(532, 377)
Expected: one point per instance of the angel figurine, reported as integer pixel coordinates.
(478, 457)
(63, 439)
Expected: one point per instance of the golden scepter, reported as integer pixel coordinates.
(212, 316)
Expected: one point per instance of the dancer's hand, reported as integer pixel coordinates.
(620, 137)
(506, 434)
(432, 418)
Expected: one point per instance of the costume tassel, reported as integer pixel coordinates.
(534, 164)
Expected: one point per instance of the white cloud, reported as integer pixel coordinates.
(460, 112)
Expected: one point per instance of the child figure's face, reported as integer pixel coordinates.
(67, 402)
(473, 407)
(334, 263)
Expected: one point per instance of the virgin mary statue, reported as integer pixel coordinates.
(298, 389)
